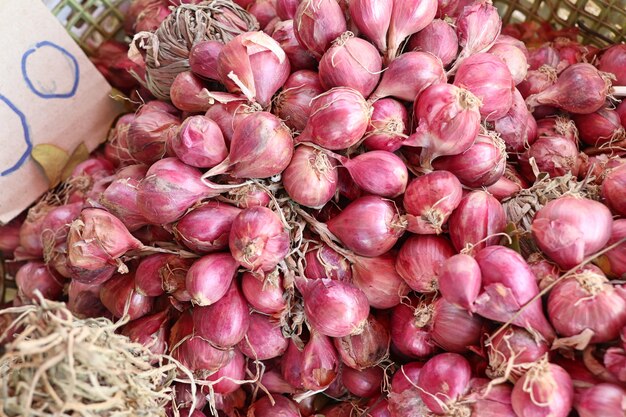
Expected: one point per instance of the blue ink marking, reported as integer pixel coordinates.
(48, 95)
(29, 145)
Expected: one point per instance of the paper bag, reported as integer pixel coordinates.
(50, 93)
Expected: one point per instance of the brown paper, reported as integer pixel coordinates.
(49, 94)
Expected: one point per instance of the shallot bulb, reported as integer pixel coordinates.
(508, 287)
(120, 197)
(404, 399)
(206, 228)
(380, 173)
(203, 59)
(459, 281)
(408, 75)
(199, 142)
(478, 26)
(318, 23)
(606, 400)
(187, 93)
(254, 65)
(266, 296)
(228, 114)
(273, 407)
(388, 126)
(518, 128)
(580, 89)
(169, 189)
(299, 57)
(264, 11)
(362, 383)
(366, 349)
(537, 80)
(489, 79)
(338, 120)
(286, 9)
(369, 226)
(84, 300)
(514, 54)
(476, 221)
(324, 262)
(351, 62)
(554, 155)
(372, 18)
(514, 350)
(320, 364)
(411, 329)
(569, 229)
(420, 260)
(150, 131)
(438, 38)
(258, 240)
(95, 242)
(148, 278)
(261, 147)
(225, 322)
(378, 279)
(613, 187)
(613, 61)
(545, 55)
(598, 128)
(228, 376)
(293, 103)
(151, 331)
(34, 277)
(443, 380)
(429, 200)
(118, 295)
(407, 17)
(453, 328)
(311, 177)
(334, 308)
(200, 356)
(264, 339)
(210, 277)
(617, 257)
(585, 307)
(481, 165)
(545, 390)
(448, 120)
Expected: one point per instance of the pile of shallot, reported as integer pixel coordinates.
(369, 207)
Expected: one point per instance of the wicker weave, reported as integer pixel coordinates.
(90, 22)
(601, 22)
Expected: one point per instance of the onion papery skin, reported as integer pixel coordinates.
(508, 284)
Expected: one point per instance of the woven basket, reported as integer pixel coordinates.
(90, 22)
(601, 22)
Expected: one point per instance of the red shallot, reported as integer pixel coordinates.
(439, 38)
(420, 260)
(388, 126)
(210, 277)
(429, 200)
(569, 229)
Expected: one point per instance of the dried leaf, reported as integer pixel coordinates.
(80, 154)
(52, 160)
